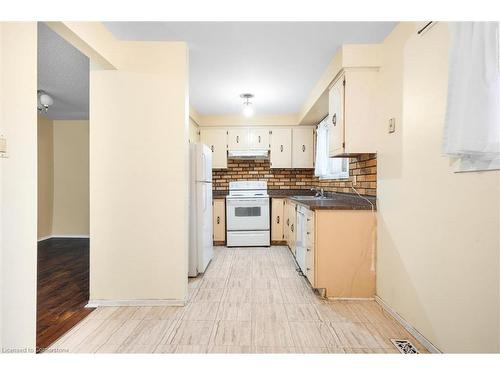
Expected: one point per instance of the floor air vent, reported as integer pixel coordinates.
(405, 346)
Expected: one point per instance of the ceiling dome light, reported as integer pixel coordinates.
(44, 101)
(248, 110)
(247, 105)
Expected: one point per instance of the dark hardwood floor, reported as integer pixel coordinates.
(62, 287)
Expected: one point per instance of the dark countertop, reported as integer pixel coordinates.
(285, 193)
(339, 201)
(219, 193)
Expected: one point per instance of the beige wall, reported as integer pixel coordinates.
(438, 232)
(63, 178)
(71, 178)
(18, 202)
(139, 174)
(45, 176)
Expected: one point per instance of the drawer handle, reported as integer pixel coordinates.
(278, 219)
(308, 219)
(281, 148)
(259, 138)
(212, 148)
(237, 139)
(218, 219)
(287, 221)
(291, 227)
(303, 148)
(334, 119)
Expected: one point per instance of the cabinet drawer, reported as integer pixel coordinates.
(310, 264)
(309, 228)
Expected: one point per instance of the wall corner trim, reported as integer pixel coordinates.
(420, 338)
(134, 302)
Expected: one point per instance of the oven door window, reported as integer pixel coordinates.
(247, 211)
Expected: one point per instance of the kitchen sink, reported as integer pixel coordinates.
(308, 198)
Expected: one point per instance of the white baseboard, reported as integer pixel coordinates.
(351, 298)
(64, 236)
(420, 338)
(134, 302)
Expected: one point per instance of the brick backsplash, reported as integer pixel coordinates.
(363, 166)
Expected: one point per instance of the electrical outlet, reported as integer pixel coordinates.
(392, 125)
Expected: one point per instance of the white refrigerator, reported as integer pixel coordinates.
(201, 249)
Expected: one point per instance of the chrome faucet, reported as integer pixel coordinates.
(318, 193)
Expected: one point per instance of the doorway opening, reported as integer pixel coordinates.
(63, 187)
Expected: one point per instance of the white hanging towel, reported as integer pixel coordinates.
(472, 127)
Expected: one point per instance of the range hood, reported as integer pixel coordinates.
(248, 154)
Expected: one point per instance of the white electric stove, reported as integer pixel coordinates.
(247, 214)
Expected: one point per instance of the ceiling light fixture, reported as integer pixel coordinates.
(247, 105)
(44, 101)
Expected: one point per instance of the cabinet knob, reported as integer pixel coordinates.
(218, 219)
(334, 119)
(278, 219)
(308, 249)
(308, 269)
(308, 233)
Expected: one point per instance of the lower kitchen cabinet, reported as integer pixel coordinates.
(289, 226)
(340, 252)
(219, 214)
(310, 249)
(277, 211)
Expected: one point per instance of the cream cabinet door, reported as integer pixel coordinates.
(336, 117)
(303, 148)
(277, 206)
(216, 139)
(292, 235)
(286, 221)
(219, 214)
(310, 250)
(281, 148)
(237, 139)
(258, 139)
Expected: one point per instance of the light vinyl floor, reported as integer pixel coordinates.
(250, 300)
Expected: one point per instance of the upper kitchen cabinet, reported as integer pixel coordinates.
(216, 139)
(258, 139)
(352, 112)
(303, 148)
(281, 148)
(237, 139)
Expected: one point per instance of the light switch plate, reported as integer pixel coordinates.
(392, 125)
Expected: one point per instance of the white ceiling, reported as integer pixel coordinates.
(279, 62)
(63, 72)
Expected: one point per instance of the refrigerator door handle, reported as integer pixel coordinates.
(203, 163)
